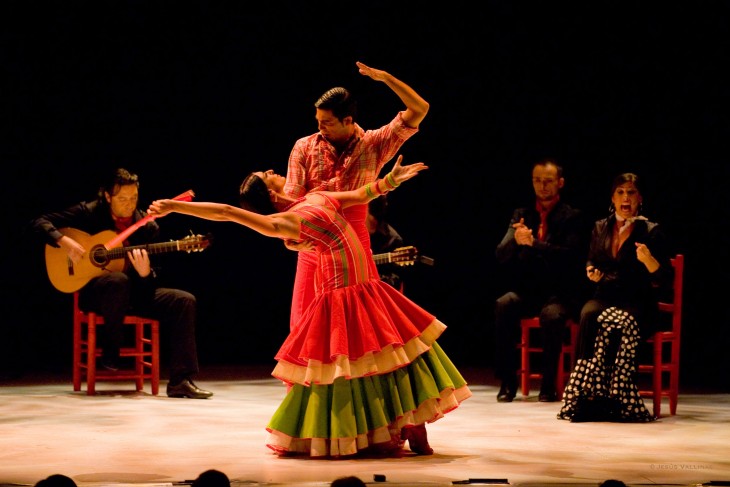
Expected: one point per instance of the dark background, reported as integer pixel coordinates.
(194, 95)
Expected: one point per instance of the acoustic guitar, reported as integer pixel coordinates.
(68, 277)
(402, 256)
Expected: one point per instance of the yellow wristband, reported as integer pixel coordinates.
(391, 181)
(369, 191)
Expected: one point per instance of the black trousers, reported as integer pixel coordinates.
(553, 314)
(112, 296)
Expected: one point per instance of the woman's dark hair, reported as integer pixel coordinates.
(120, 177)
(340, 101)
(627, 177)
(254, 195)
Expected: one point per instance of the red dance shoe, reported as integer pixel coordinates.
(417, 439)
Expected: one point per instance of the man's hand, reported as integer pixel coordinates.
(416, 107)
(74, 250)
(523, 234)
(376, 74)
(140, 259)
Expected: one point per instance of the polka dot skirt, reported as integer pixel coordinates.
(603, 388)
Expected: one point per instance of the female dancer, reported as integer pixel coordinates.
(362, 364)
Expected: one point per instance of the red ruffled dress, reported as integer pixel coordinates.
(362, 362)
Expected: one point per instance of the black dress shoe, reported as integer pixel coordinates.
(506, 393)
(547, 397)
(187, 389)
(110, 364)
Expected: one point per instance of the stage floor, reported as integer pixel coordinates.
(123, 437)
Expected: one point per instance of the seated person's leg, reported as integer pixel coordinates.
(553, 317)
(507, 329)
(588, 328)
(108, 295)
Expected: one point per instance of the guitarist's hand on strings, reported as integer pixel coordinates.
(140, 259)
(74, 250)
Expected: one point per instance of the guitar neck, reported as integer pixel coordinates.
(382, 258)
(153, 248)
(402, 256)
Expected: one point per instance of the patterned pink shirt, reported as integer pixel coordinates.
(314, 165)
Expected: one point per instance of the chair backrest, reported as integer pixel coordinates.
(675, 307)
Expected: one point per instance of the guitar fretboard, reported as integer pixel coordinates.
(155, 248)
(381, 258)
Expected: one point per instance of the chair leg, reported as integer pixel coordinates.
(91, 355)
(673, 388)
(155, 365)
(657, 378)
(674, 377)
(76, 370)
(525, 361)
(560, 375)
(139, 359)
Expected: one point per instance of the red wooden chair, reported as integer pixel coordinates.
(664, 363)
(145, 351)
(528, 347)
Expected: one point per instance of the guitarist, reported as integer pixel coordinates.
(133, 290)
(384, 238)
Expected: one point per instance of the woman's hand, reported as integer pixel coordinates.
(299, 245)
(643, 254)
(404, 173)
(594, 273)
(159, 208)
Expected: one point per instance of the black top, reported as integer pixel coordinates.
(91, 217)
(626, 282)
(554, 267)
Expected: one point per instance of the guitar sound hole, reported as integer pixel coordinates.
(99, 256)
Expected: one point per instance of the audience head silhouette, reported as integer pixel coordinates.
(212, 478)
(349, 481)
(612, 483)
(56, 480)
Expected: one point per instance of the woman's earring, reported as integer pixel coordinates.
(611, 208)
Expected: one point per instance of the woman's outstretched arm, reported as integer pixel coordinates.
(364, 194)
(280, 225)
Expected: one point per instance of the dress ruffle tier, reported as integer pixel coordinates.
(366, 414)
(362, 364)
